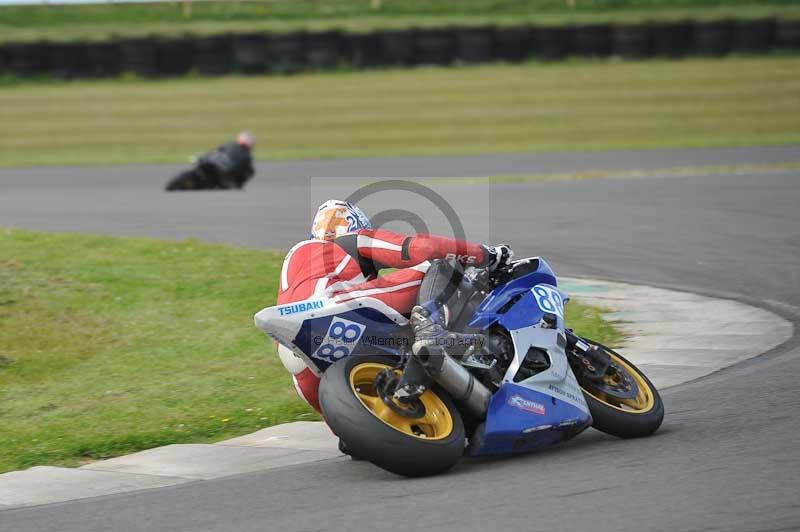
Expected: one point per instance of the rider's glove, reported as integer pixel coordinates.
(497, 256)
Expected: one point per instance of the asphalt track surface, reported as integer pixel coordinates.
(726, 457)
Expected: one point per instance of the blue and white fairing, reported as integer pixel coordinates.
(549, 406)
(322, 331)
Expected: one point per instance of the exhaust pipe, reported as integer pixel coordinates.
(456, 380)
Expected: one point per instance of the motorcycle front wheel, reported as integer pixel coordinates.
(624, 403)
(186, 180)
(418, 439)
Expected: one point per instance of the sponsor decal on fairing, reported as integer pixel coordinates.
(303, 306)
(340, 340)
(526, 405)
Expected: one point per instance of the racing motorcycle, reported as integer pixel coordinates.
(517, 380)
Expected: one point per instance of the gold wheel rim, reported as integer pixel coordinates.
(435, 424)
(641, 404)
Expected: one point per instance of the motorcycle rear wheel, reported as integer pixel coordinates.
(625, 415)
(427, 444)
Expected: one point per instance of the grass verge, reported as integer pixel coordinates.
(113, 345)
(576, 105)
(96, 22)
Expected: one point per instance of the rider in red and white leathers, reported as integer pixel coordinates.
(342, 259)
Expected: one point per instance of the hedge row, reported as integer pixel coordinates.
(255, 53)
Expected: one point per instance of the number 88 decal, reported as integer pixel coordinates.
(339, 341)
(549, 299)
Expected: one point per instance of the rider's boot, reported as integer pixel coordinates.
(428, 321)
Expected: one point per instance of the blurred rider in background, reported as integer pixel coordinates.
(227, 166)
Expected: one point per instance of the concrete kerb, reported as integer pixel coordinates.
(673, 336)
(676, 337)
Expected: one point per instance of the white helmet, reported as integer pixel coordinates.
(336, 218)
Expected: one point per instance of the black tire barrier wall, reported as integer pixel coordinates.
(435, 46)
(397, 47)
(104, 59)
(753, 36)
(713, 38)
(323, 51)
(672, 39)
(258, 53)
(513, 44)
(250, 53)
(213, 56)
(631, 41)
(363, 50)
(475, 45)
(787, 35)
(175, 57)
(591, 40)
(286, 54)
(551, 43)
(70, 61)
(27, 59)
(140, 56)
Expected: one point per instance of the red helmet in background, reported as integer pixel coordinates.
(246, 139)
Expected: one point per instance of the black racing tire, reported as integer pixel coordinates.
(372, 439)
(624, 423)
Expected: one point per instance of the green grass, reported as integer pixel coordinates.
(588, 321)
(113, 345)
(428, 111)
(102, 21)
